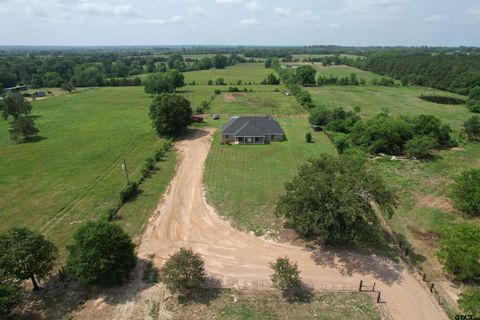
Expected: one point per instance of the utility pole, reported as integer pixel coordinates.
(125, 169)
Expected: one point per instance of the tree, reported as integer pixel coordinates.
(120, 69)
(311, 203)
(306, 75)
(68, 87)
(472, 128)
(469, 301)
(25, 254)
(22, 127)
(14, 105)
(286, 276)
(271, 80)
(101, 254)
(459, 251)
(164, 82)
(420, 147)
(170, 114)
(308, 137)
(466, 192)
(319, 116)
(177, 62)
(184, 272)
(220, 61)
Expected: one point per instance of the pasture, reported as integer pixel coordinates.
(255, 103)
(73, 174)
(343, 71)
(395, 100)
(244, 182)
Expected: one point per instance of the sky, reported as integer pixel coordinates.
(240, 22)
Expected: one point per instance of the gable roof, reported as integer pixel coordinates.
(252, 127)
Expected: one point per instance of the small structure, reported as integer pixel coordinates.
(16, 89)
(288, 93)
(40, 94)
(252, 130)
(198, 118)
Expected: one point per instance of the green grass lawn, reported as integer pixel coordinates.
(244, 182)
(74, 173)
(396, 100)
(256, 103)
(246, 72)
(239, 305)
(342, 71)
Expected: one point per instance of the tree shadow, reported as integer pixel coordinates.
(205, 295)
(415, 258)
(348, 262)
(302, 294)
(191, 134)
(57, 299)
(33, 139)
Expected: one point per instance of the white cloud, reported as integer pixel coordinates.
(436, 18)
(475, 10)
(282, 11)
(229, 1)
(252, 5)
(106, 8)
(308, 15)
(250, 21)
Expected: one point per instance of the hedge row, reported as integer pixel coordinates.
(131, 188)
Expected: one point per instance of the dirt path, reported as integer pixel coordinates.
(184, 219)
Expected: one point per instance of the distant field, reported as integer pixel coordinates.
(346, 71)
(241, 305)
(256, 103)
(74, 173)
(306, 56)
(244, 182)
(397, 100)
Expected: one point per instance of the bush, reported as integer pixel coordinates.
(128, 191)
(420, 147)
(472, 128)
(459, 251)
(308, 137)
(285, 275)
(319, 116)
(469, 302)
(466, 192)
(10, 297)
(184, 272)
(101, 254)
(108, 215)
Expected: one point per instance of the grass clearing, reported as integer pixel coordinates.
(256, 103)
(74, 173)
(241, 305)
(396, 100)
(342, 71)
(246, 72)
(245, 181)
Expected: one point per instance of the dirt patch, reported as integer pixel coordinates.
(232, 97)
(434, 202)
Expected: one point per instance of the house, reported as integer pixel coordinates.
(252, 130)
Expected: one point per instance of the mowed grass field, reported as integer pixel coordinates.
(343, 71)
(255, 103)
(244, 182)
(74, 173)
(245, 72)
(396, 100)
(240, 305)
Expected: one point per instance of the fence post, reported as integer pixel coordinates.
(379, 297)
(361, 284)
(373, 288)
(406, 252)
(424, 278)
(432, 287)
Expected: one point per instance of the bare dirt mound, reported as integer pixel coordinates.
(238, 259)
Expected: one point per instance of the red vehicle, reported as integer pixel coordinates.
(198, 118)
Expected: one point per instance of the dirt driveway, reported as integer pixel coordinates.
(184, 219)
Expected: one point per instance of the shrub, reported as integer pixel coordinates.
(109, 214)
(466, 192)
(285, 275)
(101, 254)
(472, 128)
(419, 147)
(128, 191)
(184, 272)
(10, 297)
(469, 302)
(308, 137)
(459, 251)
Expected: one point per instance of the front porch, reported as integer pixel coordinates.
(249, 140)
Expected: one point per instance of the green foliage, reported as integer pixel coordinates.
(25, 254)
(382, 134)
(128, 191)
(472, 128)
(319, 116)
(305, 75)
(220, 61)
(420, 147)
(170, 114)
(164, 82)
(22, 128)
(310, 204)
(101, 254)
(184, 272)
(109, 214)
(68, 87)
(10, 297)
(308, 137)
(459, 251)
(271, 79)
(340, 120)
(469, 302)
(88, 75)
(466, 192)
(286, 275)
(14, 105)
